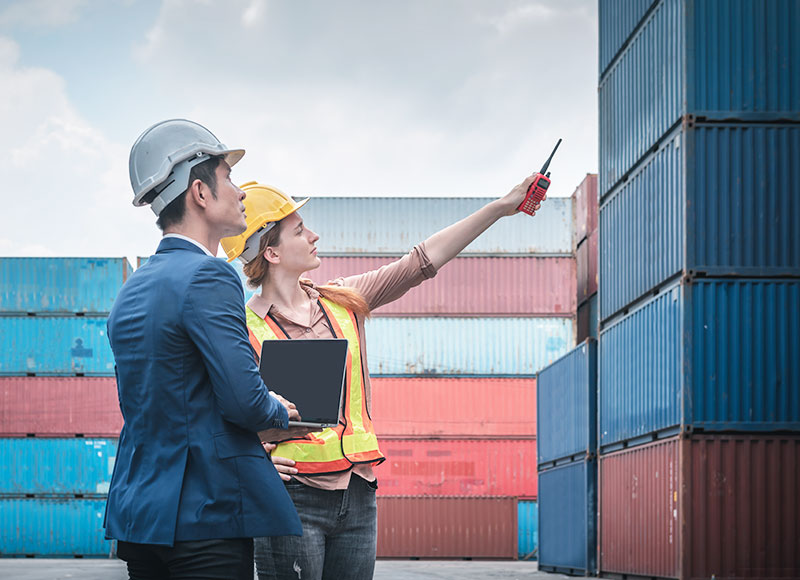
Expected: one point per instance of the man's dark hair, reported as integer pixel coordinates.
(176, 209)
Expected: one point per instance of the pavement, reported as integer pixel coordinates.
(89, 569)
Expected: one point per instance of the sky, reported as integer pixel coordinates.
(328, 97)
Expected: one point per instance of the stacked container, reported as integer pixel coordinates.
(454, 364)
(699, 382)
(584, 243)
(59, 414)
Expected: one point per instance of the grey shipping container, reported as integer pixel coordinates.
(714, 355)
(714, 200)
(715, 59)
(587, 320)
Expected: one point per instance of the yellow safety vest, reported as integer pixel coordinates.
(353, 441)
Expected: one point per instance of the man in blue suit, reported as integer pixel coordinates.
(192, 484)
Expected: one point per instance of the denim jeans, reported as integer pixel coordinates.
(340, 531)
(198, 560)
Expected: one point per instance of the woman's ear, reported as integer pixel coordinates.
(271, 256)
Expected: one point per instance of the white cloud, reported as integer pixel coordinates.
(254, 13)
(41, 13)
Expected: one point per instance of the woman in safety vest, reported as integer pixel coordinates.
(329, 473)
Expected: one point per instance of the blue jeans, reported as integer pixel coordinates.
(340, 532)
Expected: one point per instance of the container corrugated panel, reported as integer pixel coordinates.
(587, 320)
(567, 406)
(56, 466)
(586, 261)
(568, 518)
(453, 407)
(618, 19)
(585, 203)
(53, 527)
(722, 506)
(55, 345)
(462, 467)
(447, 527)
(528, 525)
(717, 59)
(717, 355)
(689, 208)
(393, 225)
(59, 407)
(61, 285)
(465, 346)
(474, 286)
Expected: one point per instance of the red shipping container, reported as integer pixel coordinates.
(447, 527)
(460, 467)
(475, 286)
(585, 204)
(454, 407)
(586, 261)
(705, 506)
(59, 407)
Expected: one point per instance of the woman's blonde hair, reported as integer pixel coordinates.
(257, 271)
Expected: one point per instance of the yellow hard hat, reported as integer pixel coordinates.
(264, 206)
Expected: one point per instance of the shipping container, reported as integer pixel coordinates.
(715, 355)
(61, 285)
(692, 208)
(618, 20)
(568, 519)
(584, 200)
(708, 506)
(474, 286)
(528, 529)
(587, 320)
(393, 225)
(74, 466)
(453, 407)
(586, 261)
(59, 407)
(55, 345)
(716, 59)
(447, 527)
(462, 467)
(465, 346)
(567, 407)
(53, 527)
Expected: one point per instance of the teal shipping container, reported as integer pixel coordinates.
(528, 524)
(53, 528)
(55, 345)
(61, 285)
(64, 466)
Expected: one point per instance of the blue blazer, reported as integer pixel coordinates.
(190, 465)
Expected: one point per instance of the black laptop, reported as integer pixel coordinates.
(308, 372)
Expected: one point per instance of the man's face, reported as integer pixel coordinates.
(226, 212)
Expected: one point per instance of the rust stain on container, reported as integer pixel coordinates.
(447, 527)
(454, 407)
(708, 506)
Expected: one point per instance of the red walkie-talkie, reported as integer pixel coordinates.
(538, 189)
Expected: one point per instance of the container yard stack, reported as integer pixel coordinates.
(699, 382)
(567, 462)
(59, 415)
(585, 247)
(454, 364)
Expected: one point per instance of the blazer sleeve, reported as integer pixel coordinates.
(215, 320)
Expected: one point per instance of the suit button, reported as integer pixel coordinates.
(308, 330)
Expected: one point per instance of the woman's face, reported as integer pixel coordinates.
(296, 245)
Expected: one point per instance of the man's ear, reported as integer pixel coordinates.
(197, 194)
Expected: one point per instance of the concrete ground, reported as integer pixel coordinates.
(44, 569)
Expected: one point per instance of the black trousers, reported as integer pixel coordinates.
(231, 559)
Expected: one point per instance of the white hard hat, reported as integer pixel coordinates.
(163, 156)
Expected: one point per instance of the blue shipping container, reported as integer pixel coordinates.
(55, 345)
(61, 285)
(568, 518)
(714, 199)
(528, 524)
(618, 19)
(715, 355)
(56, 466)
(566, 407)
(53, 527)
(465, 346)
(716, 59)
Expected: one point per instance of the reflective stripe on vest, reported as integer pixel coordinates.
(353, 440)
